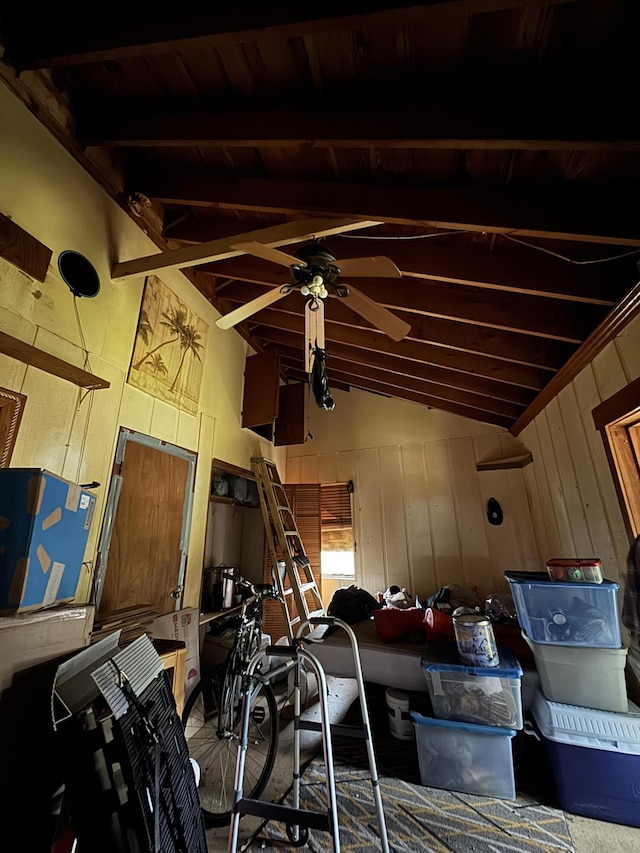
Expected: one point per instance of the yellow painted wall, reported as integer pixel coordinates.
(419, 503)
(47, 193)
(570, 486)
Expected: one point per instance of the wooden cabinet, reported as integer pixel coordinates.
(275, 412)
(291, 423)
(261, 392)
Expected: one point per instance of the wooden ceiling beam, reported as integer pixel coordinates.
(466, 125)
(359, 384)
(481, 415)
(64, 34)
(277, 235)
(530, 315)
(478, 365)
(358, 372)
(290, 347)
(509, 346)
(591, 215)
(521, 270)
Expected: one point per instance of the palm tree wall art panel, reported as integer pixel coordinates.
(169, 348)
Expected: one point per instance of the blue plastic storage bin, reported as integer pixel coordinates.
(594, 758)
(464, 757)
(569, 614)
(471, 694)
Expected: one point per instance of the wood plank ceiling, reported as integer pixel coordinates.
(494, 141)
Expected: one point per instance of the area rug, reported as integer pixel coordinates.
(418, 818)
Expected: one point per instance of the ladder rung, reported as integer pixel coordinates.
(317, 613)
(294, 621)
(305, 586)
(288, 590)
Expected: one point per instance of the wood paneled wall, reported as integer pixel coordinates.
(570, 486)
(420, 512)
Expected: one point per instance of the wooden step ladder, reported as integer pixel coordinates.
(289, 558)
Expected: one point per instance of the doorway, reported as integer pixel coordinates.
(142, 553)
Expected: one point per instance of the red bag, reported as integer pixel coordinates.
(399, 623)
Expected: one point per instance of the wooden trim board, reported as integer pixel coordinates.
(22, 250)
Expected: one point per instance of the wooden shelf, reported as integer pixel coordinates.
(15, 348)
(507, 462)
(211, 616)
(220, 499)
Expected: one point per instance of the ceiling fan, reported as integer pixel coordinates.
(315, 271)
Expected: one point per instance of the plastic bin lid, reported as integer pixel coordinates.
(543, 579)
(508, 667)
(588, 727)
(420, 720)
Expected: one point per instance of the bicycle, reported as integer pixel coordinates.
(212, 715)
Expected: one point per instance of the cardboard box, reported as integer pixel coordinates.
(182, 625)
(28, 639)
(44, 525)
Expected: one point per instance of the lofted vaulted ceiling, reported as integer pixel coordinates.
(493, 143)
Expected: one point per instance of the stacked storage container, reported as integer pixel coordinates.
(590, 731)
(573, 630)
(478, 709)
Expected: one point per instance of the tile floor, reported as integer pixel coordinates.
(588, 836)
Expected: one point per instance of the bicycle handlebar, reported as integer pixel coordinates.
(257, 590)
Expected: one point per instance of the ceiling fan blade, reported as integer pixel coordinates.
(371, 267)
(268, 253)
(244, 311)
(376, 314)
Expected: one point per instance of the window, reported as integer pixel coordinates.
(338, 547)
(618, 420)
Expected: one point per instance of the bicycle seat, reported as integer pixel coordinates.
(264, 587)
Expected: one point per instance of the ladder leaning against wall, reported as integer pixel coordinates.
(292, 568)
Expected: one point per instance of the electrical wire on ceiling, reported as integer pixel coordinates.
(506, 236)
(404, 237)
(570, 260)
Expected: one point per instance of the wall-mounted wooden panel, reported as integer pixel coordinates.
(23, 250)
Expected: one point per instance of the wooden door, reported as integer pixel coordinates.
(145, 553)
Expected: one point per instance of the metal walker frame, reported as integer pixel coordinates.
(297, 820)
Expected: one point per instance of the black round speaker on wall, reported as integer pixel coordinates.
(78, 273)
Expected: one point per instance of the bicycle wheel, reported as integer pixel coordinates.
(216, 748)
